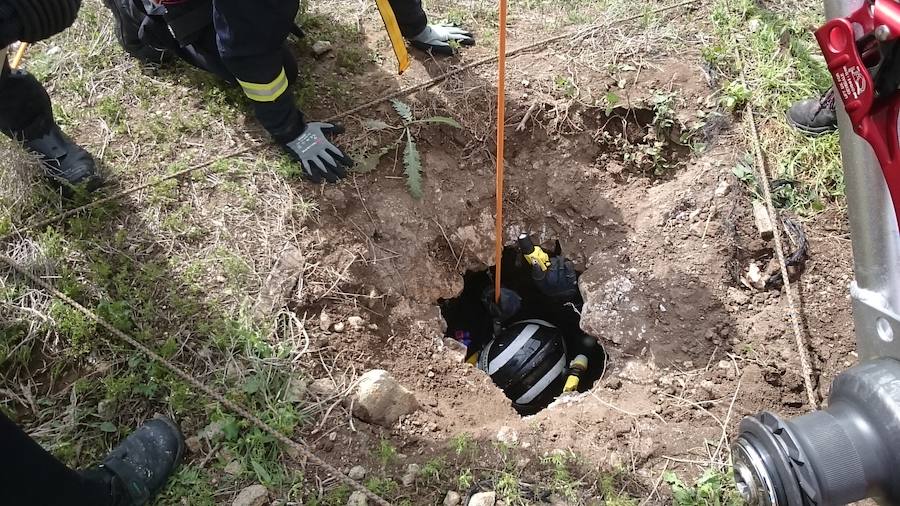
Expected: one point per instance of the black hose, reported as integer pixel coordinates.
(798, 256)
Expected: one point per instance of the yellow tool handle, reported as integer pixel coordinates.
(393, 29)
(17, 59)
(538, 257)
(571, 383)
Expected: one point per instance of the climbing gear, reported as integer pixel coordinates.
(501, 125)
(577, 369)
(535, 256)
(509, 304)
(528, 362)
(41, 19)
(814, 116)
(393, 29)
(559, 281)
(143, 462)
(870, 96)
(319, 157)
(442, 39)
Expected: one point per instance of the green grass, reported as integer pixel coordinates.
(781, 67)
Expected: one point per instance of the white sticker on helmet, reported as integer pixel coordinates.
(507, 354)
(543, 383)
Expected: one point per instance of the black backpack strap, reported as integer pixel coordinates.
(188, 21)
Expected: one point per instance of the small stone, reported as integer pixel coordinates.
(483, 499)
(452, 499)
(356, 322)
(706, 390)
(357, 473)
(324, 321)
(455, 350)
(323, 387)
(332, 437)
(296, 390)
(107, 409)
(614, 384)
(615, 460)
(723, 189)
(412, 472)
(234, 468)
(380, 399)
(212, 432)
(320, 47)
(193, 444)
(358, 498)
(508, 436)
(254, 495)
(430, 374)
(724, 364)
(339, 327)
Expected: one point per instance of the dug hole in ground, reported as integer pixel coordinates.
(617, 146)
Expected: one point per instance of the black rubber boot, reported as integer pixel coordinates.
(815, 116)
(26, 116)
(128, 18)
(141, 465)
(65, 163)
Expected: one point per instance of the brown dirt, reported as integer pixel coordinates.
(687, 340)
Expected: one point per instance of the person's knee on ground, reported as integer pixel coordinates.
(26, 116)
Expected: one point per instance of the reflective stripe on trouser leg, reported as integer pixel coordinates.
(266, 92)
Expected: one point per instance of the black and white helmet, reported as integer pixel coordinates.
(528, 362)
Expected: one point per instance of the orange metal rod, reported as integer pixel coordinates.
(501, 120)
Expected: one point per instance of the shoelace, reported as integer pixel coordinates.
(827, 101)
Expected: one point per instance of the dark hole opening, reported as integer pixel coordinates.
(470, 322)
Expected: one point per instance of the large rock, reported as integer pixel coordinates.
(483, 499)
(379, 399)
(254, 495)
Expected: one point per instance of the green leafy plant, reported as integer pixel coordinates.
(713, 488)
(385, 453)
(412, 160)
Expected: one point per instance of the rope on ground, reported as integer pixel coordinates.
(397, 94)
(116, 196)
(232, 406)
(763, 176)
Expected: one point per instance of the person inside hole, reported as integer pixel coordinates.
(531, 342)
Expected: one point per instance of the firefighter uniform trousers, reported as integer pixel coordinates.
(244, 44)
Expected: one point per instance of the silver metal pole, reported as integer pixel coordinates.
(874, 234)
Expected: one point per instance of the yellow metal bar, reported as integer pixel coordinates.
(17, 59)
(393, 29)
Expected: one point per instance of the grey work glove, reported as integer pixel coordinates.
(438, 39)
(320, 158)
